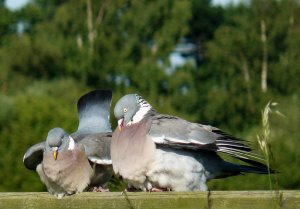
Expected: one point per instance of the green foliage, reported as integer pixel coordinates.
(205, 19)
(285, 142)
(7, 110)
(6, 23)
(52, 52)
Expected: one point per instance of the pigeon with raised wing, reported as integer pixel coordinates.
(69, 164)
(156, 152)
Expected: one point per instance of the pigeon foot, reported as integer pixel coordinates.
(155, 189)
(100, 189)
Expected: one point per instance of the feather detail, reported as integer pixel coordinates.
(235, 147)
(140, 114)
(71, 144)
(97, 160)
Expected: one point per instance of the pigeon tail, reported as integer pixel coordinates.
(230, 169)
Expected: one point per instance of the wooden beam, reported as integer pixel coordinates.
(165, 200)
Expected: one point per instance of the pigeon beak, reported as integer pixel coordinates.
(55, 152)
(121, 124)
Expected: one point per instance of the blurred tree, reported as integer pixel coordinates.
(231, 70)
(286, 69)
(204, 21)
(237, 58)
(7, 22)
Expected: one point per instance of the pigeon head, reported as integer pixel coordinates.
(58, 140)
(130, 109)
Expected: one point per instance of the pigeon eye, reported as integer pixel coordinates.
(125, 110)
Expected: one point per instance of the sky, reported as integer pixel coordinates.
(16, 4)
(224, 2)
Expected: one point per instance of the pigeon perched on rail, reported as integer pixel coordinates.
(156, 152)
(69, 164)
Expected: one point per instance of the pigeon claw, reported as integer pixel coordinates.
(100, 189)
(155, 189)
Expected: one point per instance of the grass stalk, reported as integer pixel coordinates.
(264, 140)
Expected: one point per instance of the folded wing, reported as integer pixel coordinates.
(175, 132)
(96, 147)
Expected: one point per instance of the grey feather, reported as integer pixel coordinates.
(176, 132)
(96, 146)
(93, 110)
(171, 129)
(34, 156)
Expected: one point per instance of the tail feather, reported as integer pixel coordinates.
(230, 169)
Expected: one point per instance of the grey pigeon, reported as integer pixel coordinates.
(156, 152)
(69, 164)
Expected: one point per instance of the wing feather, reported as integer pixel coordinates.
(178, 133)
(96, 146)
(93, 111)
(34, 156)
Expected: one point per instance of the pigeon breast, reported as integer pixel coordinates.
(71, 170)
(132, 150)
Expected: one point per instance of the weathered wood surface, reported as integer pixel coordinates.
(165, 200)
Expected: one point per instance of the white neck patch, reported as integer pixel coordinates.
(139, 115)
(71, 144)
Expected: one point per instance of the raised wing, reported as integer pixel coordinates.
(34, 156)
(93, 111)
(175, 132)
(96, 146)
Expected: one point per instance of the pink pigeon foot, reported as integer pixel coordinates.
(154, 189)
(100, 189)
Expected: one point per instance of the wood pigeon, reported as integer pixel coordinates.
(157, 152)
(69, 164)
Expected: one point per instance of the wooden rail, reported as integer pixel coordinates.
(163, 200)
